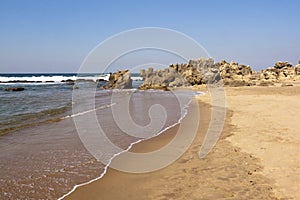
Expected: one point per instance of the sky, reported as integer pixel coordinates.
(57, 35)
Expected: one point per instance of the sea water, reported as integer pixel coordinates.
(42, 156)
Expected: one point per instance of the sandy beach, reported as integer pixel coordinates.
(257, 156)
(150, 100)
(267, 126)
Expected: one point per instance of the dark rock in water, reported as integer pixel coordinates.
(69, 81)
(119, 80)
(101, 80)
(14, 89)
(20, 81)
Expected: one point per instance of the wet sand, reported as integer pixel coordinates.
(257, 156)
(47, 160)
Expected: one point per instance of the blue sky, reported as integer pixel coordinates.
(56, 35)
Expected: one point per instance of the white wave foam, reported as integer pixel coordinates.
(57, 78)
(37, 78)
(88, 111)
(136, 78)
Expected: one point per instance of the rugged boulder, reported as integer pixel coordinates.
(297, 68)
(161, 79)
(281, 71)
(236, 75)
(196, 72)
(119, 80)
(205, 71)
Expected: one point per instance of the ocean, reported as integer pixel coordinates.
(42, 155)
(45, 96)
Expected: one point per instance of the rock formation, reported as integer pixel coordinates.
(281, 71)
(205, 71)
(119, 80)
(196, 72)
(161, 79)
(297, 69)
(236, 75)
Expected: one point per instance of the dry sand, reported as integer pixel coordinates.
(257, 156)
(267, 124)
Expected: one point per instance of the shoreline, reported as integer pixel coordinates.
(188, 174)
(256, 155)
(131, 147)
(160, 140)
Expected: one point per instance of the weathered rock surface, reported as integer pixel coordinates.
(119, 80)
(161, 79)
(281, 71)
(196, 72)
(205, 71)
(236, 75)
(297, 68)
